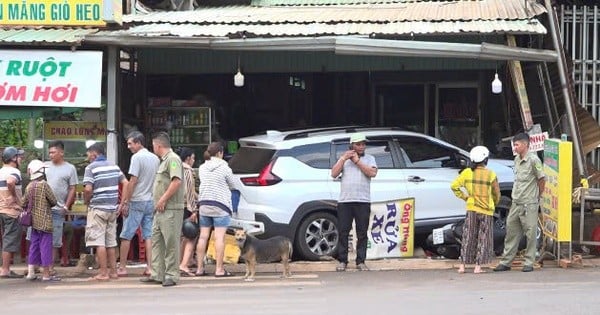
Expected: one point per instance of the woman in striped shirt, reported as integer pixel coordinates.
(188, 158)
(478, 186)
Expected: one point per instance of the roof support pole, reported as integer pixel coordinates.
(562, 73)
(111, 104)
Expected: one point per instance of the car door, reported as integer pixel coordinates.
(385, 186)
(429, 167)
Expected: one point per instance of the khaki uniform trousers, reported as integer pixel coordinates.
(166, 236)
(522, 220)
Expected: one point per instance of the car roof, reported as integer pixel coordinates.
(275, 139)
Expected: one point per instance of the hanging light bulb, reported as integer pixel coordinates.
(496, 85)
(238, 78)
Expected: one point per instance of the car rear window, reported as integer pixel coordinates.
(249, 160)
(315, 155)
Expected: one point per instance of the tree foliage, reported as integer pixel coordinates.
(14, 132)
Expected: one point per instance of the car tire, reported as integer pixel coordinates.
(317, 236)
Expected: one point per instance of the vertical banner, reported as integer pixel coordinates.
(516, 73)
(391, 229)
(556, 199)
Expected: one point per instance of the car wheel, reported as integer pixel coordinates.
(317, 236)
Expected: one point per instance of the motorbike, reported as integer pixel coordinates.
(446, 241)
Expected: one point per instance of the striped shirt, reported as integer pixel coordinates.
(216, 182)
(477, 189)
(190, 187)
(104, 177)
(8, 205)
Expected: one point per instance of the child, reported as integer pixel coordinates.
(38, 192)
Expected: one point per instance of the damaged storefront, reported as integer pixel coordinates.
(281, 65)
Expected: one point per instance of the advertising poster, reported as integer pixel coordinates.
(556, 199)
(391, 229)
(50, 78)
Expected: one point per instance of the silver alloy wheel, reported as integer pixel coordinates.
(321, 236)
(317, 236)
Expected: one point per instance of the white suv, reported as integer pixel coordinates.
(285, 181)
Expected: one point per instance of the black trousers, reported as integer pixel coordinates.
(360, 213)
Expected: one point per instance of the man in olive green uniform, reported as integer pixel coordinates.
(523, 215)
(168, 218)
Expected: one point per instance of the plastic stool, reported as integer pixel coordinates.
(141, 247)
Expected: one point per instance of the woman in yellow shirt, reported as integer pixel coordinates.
(478, 186)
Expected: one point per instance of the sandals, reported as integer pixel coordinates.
(12, 275)
(226, 274)
(186, 273)
(201, 274)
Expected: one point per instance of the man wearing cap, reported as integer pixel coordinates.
(523, 214)
(357, 169)
(10, 197)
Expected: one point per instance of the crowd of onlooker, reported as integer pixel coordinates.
(156, 196)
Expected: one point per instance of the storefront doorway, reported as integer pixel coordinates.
(458, 114)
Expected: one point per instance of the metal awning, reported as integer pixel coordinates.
(49, 36)
(343, 45)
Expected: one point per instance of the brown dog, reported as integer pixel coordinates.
(274, 249)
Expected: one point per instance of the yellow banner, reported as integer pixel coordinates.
(75, 130)
(52, 12)
(556, 199)
(391, 229)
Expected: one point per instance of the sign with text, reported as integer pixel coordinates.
(536, 142)
(50, 78)
(391, 229)
(60, 12)
(75, 130)
(556, 199)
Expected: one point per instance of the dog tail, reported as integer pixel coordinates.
(291, 248)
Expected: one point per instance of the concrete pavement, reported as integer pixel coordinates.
(299, 267)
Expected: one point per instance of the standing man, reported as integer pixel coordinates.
(357, 169)
(523, 214)
(62, 178)
(168, 194)
(101, 193)
(140, 210)
(10, 198)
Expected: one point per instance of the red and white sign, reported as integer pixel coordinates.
(536, 142)
(50, 78)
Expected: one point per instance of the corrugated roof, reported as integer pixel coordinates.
(483, 10)
(44, 35)
(321, 29)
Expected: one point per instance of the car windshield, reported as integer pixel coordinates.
(248, 160)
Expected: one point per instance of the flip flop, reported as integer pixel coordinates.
(146, 273)
(201, 274)
(12, 275)
(225, 275)
(184, 273)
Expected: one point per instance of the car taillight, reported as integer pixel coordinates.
(264, 178)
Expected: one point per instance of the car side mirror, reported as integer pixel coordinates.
(462, 163)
